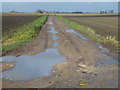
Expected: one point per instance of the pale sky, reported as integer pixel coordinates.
(59, 6)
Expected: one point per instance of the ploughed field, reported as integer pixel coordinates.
(9, 23)
(102, 25)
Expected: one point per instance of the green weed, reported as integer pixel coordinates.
(25, 34)
(89, 32)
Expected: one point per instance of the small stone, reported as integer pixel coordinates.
(84, 72)
(95, 74)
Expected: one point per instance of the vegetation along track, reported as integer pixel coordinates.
(24, 34)
(106, 40)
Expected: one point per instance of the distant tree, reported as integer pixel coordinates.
(40, 11)
(57, 12)
(101, 12)
(105, 12)
(111, 11)
(14, 12)
(77, 12)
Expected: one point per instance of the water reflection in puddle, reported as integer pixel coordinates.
(55, 44)
(105, 50)
(30, 67)
(72, 31)
(52, 30)
(55, 37)
(50, 22)
(107, 61)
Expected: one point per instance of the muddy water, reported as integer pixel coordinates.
(30, 67)
(107, 60)
(54, 37)
(35, 66)
(52, 30)
(73, 31)
(104, 50)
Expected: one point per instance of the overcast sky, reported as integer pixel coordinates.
(59, 6)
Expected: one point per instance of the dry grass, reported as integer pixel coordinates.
(105, 26)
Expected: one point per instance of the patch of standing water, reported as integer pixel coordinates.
(107, 61)
(52, 30)
(50, 22)
(55, 37)
(103, 49)
(72, 31)
(55, 44)
(31, 67)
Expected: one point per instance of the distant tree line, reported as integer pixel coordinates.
(40, 11)
(16, 12)
(106, 11)
(74, 12)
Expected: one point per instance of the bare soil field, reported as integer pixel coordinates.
(86, 65)
(9, 23)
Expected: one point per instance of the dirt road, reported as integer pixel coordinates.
(86, 64)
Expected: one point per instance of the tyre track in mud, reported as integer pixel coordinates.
(84, 48)
(70, 47)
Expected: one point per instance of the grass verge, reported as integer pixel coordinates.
(25, 34)
(90, 32)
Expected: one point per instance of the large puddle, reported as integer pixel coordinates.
(30, 67)
(35, 66)
(73, 31)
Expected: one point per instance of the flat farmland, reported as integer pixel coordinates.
(9, 23)
(102, 25)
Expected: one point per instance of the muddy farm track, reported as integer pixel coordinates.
(76, 61)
